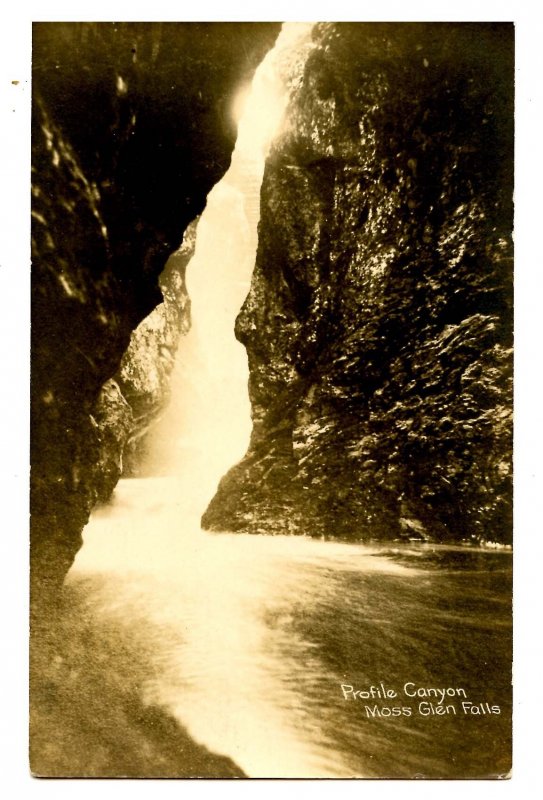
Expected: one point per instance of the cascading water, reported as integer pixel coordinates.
(249, 638)
(204, 602)
(208, 422)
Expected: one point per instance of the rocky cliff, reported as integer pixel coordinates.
(130, 403)
(146, 367)
(131, 128)
(379, 322)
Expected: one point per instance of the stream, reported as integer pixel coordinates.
(253, 637)
(295, 657)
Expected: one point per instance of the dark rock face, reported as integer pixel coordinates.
(130, 403)
(144, 373)
(131, 128)
(379, 321)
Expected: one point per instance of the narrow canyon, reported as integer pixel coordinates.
(356, 239)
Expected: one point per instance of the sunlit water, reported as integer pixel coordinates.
(249, 639)
(252, 637)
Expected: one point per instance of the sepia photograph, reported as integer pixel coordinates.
(271, 428)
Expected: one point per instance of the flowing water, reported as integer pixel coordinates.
(256, 644)
(252, 638)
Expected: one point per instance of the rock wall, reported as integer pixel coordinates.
(146, 367)
(131, 128)
(379, 322)
(130, 403)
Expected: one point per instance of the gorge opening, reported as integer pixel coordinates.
(378, 283)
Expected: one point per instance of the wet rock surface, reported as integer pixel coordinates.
(146, 367)
(379, 322)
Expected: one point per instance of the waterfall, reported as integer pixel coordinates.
(207, 426)
(220, 670)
